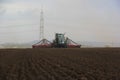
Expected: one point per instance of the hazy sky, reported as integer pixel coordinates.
(81, 20)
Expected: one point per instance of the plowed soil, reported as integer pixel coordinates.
(60, 64)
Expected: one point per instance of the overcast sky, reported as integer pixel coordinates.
(81, 20)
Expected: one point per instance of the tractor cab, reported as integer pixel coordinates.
(59, 41)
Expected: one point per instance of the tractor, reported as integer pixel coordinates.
(59, 42)
(62, 42)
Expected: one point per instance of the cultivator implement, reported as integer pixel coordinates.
(44, 43)
(59, 42)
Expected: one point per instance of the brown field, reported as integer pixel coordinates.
(60, 64)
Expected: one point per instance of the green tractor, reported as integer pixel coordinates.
(60, 41)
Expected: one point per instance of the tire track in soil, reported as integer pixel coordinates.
(36, 72)
(60, 69)
(42, 69)
(11, 72)
(15, 71)
(21, 70)
(47, 69)
(64, 68)
(2, 74)
(42, 65)
(86, 72)
(64, 73)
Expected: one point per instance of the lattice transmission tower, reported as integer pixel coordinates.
(41, 24)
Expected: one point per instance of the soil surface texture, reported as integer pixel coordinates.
(60, 64)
